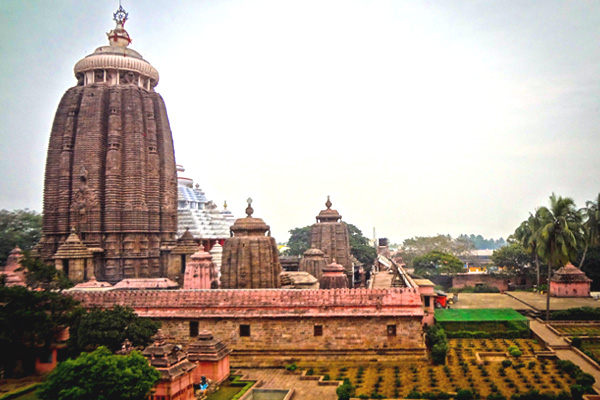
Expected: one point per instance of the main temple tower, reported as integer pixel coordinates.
(110, 168)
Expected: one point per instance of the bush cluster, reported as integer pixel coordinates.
(512, 334)
(583, 380)
(577, 314)
(437, 342)
(414, 394)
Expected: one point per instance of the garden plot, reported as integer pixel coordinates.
(576, 329)
(462, 371)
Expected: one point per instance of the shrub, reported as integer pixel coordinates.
(495, 396)
(584, 379)
(326, 377)
(438, 353)
(310, 372)
(291, 367)
(516, 353)
(531, 364)
(346, 390)
(576, 342)
(506, 363)
(464, 394)
(577, 392)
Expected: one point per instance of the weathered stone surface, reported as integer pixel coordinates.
(313, 262)
(250, 259)
(333, 277)
(330, 235)
(281, 322)
(110, 167)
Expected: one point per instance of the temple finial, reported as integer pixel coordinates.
(328, 203)
(249, 209)
(120, 16)
(119, 37)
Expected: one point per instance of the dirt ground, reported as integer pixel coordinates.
(520, 301)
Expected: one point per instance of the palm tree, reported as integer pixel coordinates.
(559, 235)
(527, 234)
(591, 226)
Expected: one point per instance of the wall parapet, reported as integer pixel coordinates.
(260, 302)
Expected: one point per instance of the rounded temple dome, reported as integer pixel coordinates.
(116, 64)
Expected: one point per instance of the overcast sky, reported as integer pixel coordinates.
(417, 117)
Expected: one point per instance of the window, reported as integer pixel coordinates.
(183, 263)
(391, 330)
(193, 328)
(427, 301)
(318, 330)
(244, 330)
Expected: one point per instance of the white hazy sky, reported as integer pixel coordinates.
(417, 117)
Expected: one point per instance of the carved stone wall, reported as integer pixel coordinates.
(284, 323)
(110, 173)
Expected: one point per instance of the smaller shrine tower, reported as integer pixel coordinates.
(333, 277)
(313, 262)
(330, 235)
(250, 257)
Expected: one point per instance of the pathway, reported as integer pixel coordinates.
(382, 280)
(277, 379)
(563, 350)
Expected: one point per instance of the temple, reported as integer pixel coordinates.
(110, 167)
(250, 259)
(111, 204)
(330, 235)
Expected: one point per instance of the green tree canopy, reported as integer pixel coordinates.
(512, 256)
(29, 322)
(299, 241)
(420, 245)
(21, 228)
(437, 262)
(559, 235)
(100, 375)
(43, 276)
(110, 328)
(360, 248)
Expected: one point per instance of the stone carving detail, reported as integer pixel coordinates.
(110, 167)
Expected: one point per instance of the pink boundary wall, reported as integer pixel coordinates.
(570, 289)
(264, 303)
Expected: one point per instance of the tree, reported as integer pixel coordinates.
(21, 228)
(100, 375)
(110, 328)
(30, 321)
(512, 256)
(299, 241)
(528, 235)
(346, 390)
(559, 235)
(360, 247)
(591, 266)
(420, 245)
(591, 226)
(43, 276)
(437, 262)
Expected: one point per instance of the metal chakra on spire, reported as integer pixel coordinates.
(249, 209)
(120, 16)
(328, 203)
